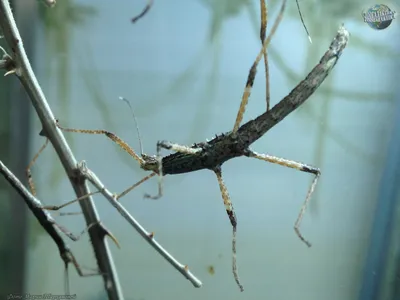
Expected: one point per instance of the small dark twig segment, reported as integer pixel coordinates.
(144, 11)
(212, 154)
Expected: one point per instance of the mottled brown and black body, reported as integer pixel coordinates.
(229, 145)
(213, 153)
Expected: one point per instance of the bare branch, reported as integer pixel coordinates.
(46, 220)
(25, 74)
(148, 236)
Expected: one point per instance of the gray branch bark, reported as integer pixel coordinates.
(28, 79)
(17, 63)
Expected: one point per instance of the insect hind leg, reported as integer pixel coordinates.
(298, 166)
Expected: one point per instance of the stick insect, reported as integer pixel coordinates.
(235, 143)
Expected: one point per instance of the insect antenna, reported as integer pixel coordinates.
(136, 123)
(302, 21)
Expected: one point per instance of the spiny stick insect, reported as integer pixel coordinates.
(235, 143)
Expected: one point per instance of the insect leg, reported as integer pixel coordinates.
(169, 146)
(253, 69)
(31, 185)
(298, 166)
(263, 31)
(232, 217)
(108, 134)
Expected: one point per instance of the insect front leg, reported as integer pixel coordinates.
(169, 146)
(113, 137)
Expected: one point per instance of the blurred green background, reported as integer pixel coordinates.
(184, 67)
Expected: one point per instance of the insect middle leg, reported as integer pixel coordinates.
(121, 143)
(28, 171)
(224, 192)
(232, 217)
(298, 166)
(31, 184)
(32, 189)
(68, 233)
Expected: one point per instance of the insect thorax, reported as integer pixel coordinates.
(213, 154)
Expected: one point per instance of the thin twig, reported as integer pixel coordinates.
(144, 11)
(148, 236)
(47, 222)
(28, 79)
